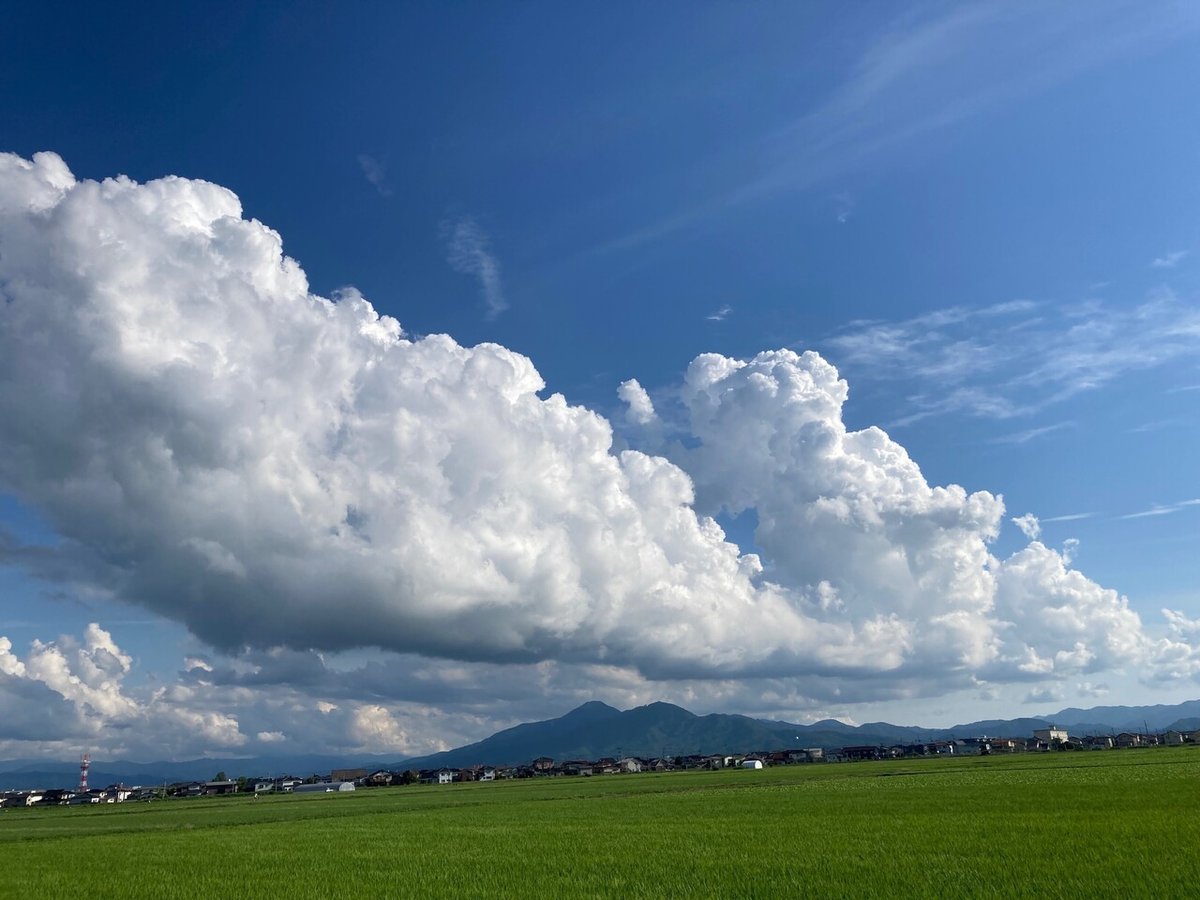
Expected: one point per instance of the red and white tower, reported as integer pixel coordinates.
(84, 763)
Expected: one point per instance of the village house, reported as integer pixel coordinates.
(1051, 736)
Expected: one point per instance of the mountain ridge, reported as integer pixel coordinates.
(595, 729)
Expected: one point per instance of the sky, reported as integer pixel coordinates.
(376, 377)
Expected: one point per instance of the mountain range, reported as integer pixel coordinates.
(596, 729)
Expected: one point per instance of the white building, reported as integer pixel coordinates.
(324, 787)
(1051, 735)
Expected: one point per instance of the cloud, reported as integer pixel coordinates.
(1044, 695)
(1016, 359)
(843, 207)
(375, 172)
(1090, 690)
(911, 76)
(1169, 260)
(640, 409)
(1029, 526)
(1161, 510)
(1070, 517)
(1181, 625)
(285, 473)
(71, 693)
(469, 251)
(720, 315)
(1024, 437)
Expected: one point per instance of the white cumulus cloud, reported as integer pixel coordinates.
(1029, 525)
(280, 470)
(71, 693)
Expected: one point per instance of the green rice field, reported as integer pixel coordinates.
(1095, 824)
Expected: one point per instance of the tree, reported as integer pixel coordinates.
(221, 777)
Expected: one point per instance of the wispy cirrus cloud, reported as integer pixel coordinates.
(918, 74)
(1029, 434)
(720, 315)
(468, 250)
(1161, 510)
(843, 207)
(1016, 359)
(375, 172)
(1069, 517)
(1169, 260)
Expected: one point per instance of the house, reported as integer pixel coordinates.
(340, 775)
(543, 765)
(119, 793)
(861, 753)
(1173, 738)
(217, 788)
(56, 797)
(1051, 736)
(629, 764)
(380, 778)
(1129, 739)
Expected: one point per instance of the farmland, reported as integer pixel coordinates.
(1055, 824)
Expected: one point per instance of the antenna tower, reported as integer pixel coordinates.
(84, 763)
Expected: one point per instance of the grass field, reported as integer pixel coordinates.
(1123, 823)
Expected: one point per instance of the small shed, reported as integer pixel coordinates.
(752, 764)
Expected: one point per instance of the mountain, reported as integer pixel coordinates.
(658, 729)
(596, 729)
(663, 729)
(1128, 718)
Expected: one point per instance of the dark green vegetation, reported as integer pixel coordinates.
(1113, 823)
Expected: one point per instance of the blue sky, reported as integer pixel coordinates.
(983, 215)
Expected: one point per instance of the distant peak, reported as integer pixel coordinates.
(662, 706)
(592, 708)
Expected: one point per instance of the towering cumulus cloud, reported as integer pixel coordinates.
(270, 467)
